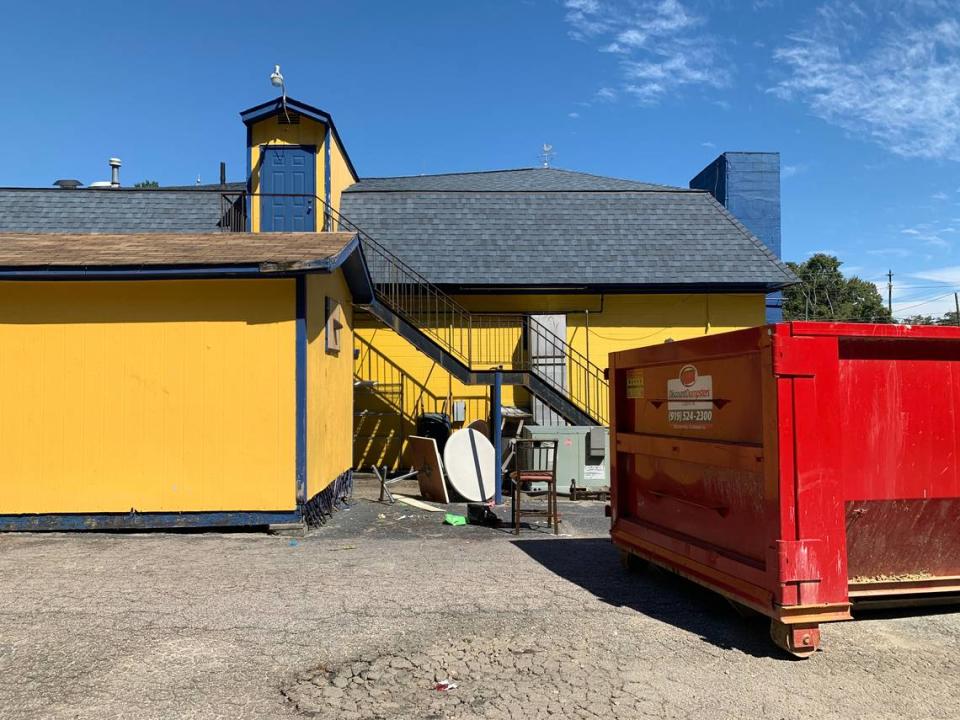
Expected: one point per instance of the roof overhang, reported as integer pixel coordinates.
(272, 107)
(349, 258)
(616, 289)
(275, 106)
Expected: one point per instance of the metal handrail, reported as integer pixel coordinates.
(503, 339)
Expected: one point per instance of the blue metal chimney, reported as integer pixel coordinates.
(748, 185)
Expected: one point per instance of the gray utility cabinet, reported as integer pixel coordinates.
(583, 454)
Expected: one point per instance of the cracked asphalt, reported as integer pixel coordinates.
(362, 617)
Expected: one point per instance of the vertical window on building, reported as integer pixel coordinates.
(334, 324)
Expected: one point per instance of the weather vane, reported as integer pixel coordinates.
(546, 154)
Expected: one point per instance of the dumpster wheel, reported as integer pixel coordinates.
(632, 563)
(801, 641)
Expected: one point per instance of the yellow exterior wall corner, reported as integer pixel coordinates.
(329, 383)
(341, 176)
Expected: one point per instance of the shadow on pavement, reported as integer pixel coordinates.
(594, 565)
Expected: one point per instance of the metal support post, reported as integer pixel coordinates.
(496, 429)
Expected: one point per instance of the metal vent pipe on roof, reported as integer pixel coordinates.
(115, 172)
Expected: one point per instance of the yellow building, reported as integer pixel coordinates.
(175, 380)
(538, 271)
(204, 388)
(545, 272)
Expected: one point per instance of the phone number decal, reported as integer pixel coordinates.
(690, 416)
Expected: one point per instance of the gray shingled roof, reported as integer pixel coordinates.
(648, 235)
(108, 211)
(520, 180)
(526, 227)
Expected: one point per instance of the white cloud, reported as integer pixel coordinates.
(606, 94)
(573, 115)
(949, 275)
(894, 252)
(660, 43)
(939, 196)
(886, 69)
(930, 234)
(707, 144)
(788, 171)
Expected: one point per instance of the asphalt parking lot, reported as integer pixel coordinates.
(362, 618)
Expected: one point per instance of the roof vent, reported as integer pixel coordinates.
(67, 184)
(115, 172)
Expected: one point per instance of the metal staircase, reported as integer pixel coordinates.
(470, 346)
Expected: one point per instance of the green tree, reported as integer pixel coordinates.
(148, 184)
(825, 294)
(948, 318)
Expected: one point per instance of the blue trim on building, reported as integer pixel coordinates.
(138, 273)
(146, 521)
(328, 219)
(301, 390)
(356, 273)
(247, 198)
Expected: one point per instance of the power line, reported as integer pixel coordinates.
(925, 302)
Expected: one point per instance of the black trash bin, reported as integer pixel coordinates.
(436, 426)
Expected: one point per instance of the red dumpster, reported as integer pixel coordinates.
(796, 468)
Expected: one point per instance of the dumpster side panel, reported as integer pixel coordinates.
(793, 467)
(724, 467)
(901, 458)
(695, 466)
(689, 476)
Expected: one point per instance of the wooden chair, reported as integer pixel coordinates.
(535, 461)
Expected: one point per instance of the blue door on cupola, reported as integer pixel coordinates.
(288, 189)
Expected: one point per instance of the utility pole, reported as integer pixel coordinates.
(890, 292)
(956, 301)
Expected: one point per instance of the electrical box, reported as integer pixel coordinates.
(597, 440)
(582, 453)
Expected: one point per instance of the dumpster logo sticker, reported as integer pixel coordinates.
(690, 399)
(635, 384)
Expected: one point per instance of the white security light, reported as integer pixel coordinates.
(276, 77)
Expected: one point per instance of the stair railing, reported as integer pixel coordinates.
(478, 340)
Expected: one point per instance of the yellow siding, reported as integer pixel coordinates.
(617, 322)
(270, 132)
(153, 395)
(329, 385)
(629, 321)
(340, 175)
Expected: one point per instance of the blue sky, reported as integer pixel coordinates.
(862, 99)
